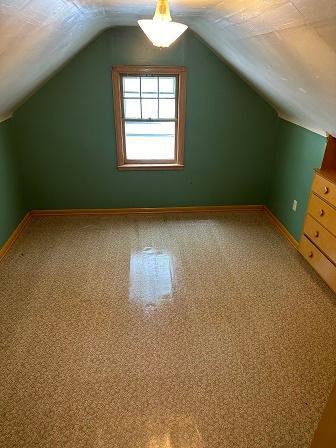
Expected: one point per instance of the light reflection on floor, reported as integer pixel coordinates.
(179, 431)
(228, 341)
(151, 276)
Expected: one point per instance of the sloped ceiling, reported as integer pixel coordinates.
(285, 49)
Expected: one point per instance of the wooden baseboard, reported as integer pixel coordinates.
(148, 211)
(15, 235)
(281, 228)
(168, 210)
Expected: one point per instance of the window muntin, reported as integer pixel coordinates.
(149, 116)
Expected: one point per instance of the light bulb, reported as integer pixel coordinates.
(161, 30)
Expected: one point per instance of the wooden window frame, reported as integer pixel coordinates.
(122, 162)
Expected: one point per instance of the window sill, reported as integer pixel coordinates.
(151, 166)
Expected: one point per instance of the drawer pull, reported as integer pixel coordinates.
(310, 254)
(317, 234)
(326, 190)
(321, 212)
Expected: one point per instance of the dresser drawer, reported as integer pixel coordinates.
(320, 237)
(325, 189)
(319, 262)
(323, 213)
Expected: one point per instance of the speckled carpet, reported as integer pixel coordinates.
(162, 332)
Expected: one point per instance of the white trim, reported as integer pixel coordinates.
(302, 125)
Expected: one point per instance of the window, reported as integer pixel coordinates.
(149, 108)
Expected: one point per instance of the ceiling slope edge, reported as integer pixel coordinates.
(237, 72)
(247, 81)
(284, 49)
(302, 125)
(55, 67)
(290, 64)
(5, 117)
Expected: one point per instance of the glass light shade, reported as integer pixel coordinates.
(160, 32)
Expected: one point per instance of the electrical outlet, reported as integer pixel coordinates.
(295, 203)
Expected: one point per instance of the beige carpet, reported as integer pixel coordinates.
(162, 332)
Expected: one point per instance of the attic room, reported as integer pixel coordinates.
(168, 223)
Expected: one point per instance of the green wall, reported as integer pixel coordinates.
(298, 152)
(237, 151)
(11, 204)
(66, 141)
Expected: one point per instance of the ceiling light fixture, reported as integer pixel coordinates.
(161, 30)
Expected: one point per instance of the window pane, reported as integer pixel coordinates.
(150, 141)
(167, 108)
(149, 87)
(149, 108)
(132, 108)
(131, 86)
(167, 87)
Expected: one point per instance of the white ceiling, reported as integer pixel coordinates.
(285, 49)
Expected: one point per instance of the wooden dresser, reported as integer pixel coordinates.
(318, 240)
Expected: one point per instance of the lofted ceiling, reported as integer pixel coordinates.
(285, 49)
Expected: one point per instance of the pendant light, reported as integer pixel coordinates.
(161, 30)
